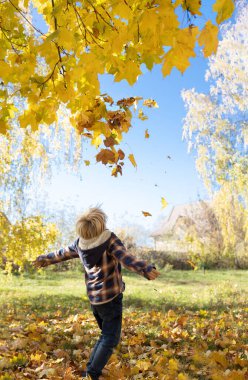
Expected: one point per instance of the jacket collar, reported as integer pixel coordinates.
(86, 244)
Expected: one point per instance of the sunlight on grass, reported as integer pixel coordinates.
(49, 290)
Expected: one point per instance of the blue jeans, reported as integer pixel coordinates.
(109, 318)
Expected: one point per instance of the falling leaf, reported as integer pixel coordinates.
(116, 170)
(121, 154)
(106, 156)
(109, 141)
(146, 213)
(151, 103)
(164, 202)
(108, 99)
(141, 115)
(147, 135)
(127, 102)
(132, 159)
(87, 162)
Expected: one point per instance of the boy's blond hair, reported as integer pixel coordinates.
(92, 223)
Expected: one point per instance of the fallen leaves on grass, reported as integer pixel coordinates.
(176, 345)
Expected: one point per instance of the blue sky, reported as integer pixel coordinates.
(156, 176)
(124, 198)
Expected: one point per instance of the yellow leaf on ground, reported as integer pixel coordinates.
(219, 357)
(182, 376)
(173, 365)
(143, 364)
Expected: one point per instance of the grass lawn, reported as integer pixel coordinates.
(186, 325)
(193, 290)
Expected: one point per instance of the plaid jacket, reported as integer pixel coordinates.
(102, 259)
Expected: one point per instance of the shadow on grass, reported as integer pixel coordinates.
(48, 305)
(164, 304)
(180, 278)
(64, 305)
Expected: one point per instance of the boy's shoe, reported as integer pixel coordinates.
(85, 375)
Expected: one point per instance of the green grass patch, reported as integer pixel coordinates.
(49, 291)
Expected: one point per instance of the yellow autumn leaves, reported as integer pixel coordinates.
(79, 41)
(178, 345)
(164, 204)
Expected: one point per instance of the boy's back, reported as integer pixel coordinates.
(101, 253)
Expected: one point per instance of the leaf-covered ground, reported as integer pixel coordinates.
(176, 344)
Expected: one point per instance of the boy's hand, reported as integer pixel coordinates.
(153, 274)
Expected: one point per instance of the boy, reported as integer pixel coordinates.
(102, 254)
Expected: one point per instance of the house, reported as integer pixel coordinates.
(183, 220)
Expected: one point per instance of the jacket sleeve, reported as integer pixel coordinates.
(63, 254)
(118, 250)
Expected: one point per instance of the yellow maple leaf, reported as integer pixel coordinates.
(130, 73)
(164, 202)
(65, 38)
(146, 213)
(132, 159)
(183, 49)
(224, 8)
(209, 38)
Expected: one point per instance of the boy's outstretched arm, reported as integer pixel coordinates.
(118, 250)
(63, 254)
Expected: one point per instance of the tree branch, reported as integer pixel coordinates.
(49, 77)
(85, 28)
(22, 14)
(58, 47)
(101, 16)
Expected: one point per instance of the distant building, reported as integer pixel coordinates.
(183, 220)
